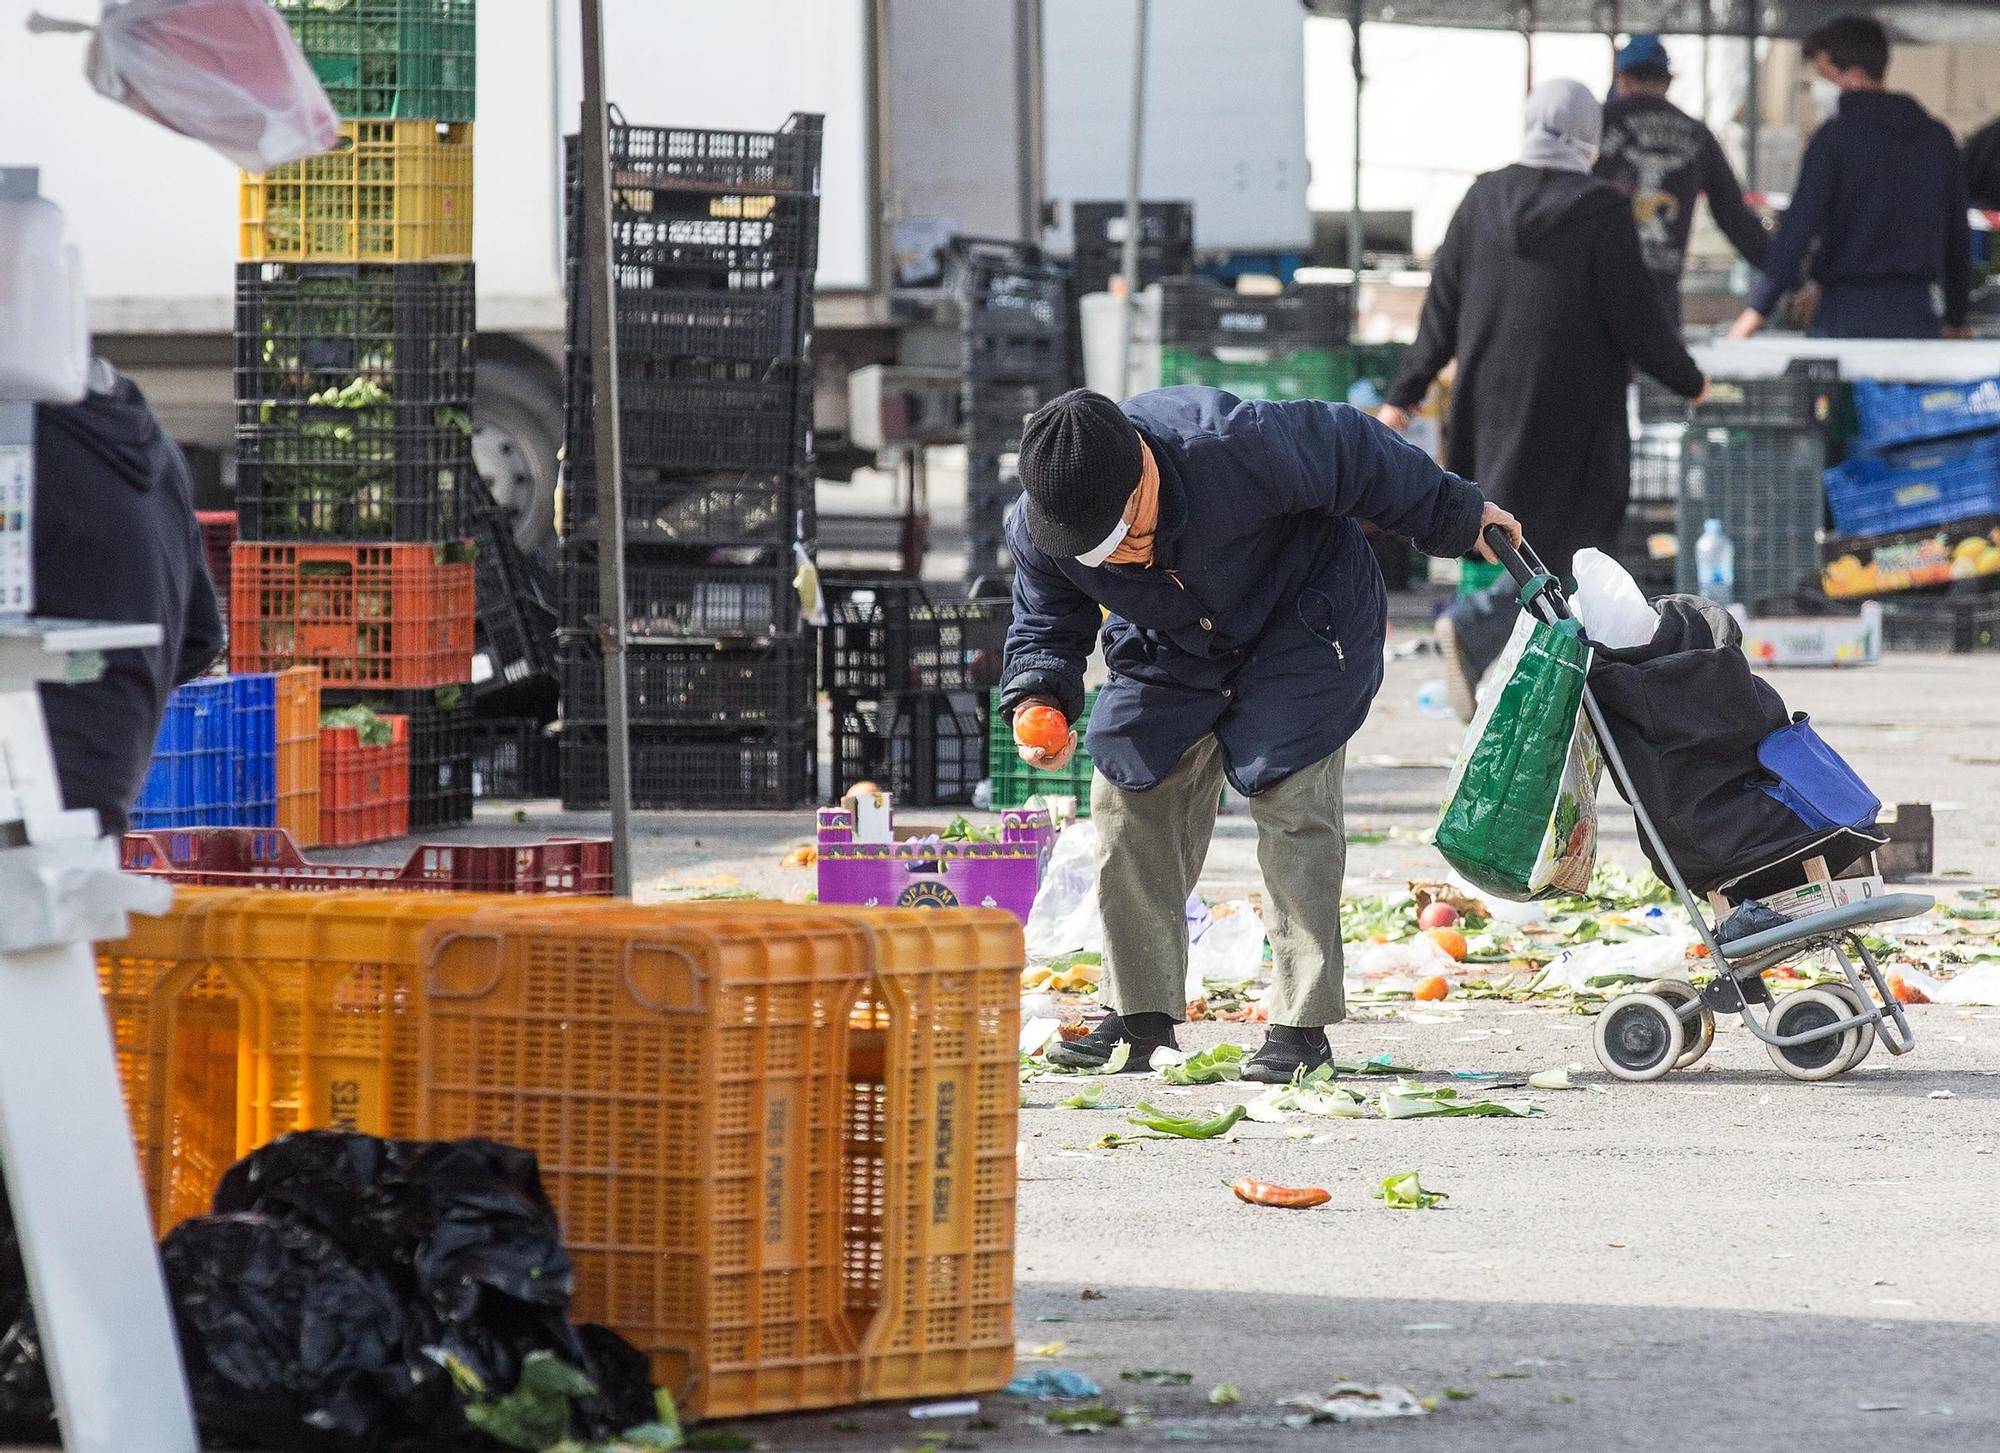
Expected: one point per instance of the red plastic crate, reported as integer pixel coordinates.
(218, 535)
(247, 857)
(364, 792)
(387, 616)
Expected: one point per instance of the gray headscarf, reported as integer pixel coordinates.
(1563, 126)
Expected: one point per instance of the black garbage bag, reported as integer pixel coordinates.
(1688, 717)
(287, 1341)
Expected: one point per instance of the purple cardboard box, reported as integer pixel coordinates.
(925, 872)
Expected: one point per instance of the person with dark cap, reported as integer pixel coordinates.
(1243, 619)
(116, 539)
(1540, 293)
(1662, 158)
(1882, 191)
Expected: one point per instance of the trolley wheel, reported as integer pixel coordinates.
(1639, 1037)
(1865, 1034)
(1700, 1031)
(1819, 1059)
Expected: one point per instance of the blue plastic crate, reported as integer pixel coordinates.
(215, 758)
(1915, 487)
(1907, 413)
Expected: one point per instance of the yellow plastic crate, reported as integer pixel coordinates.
(392, 191)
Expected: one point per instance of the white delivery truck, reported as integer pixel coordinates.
(982, 116)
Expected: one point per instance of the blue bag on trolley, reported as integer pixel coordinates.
(1741, 792)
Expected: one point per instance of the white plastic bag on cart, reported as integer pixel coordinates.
(227, 72)
(1609, 603)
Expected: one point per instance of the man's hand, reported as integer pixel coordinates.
(1034, 756)
(1494, 515)
(1396, 418)
(1747, 323)
(1707, 387)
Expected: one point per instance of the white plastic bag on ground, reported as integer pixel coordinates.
(1661, 957)
(1229, 948)
(1610, 604)
(227, 72)
(1064, 917)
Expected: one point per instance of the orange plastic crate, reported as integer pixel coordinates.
(392, 191)
(388, 616)
(364, 791)
(298, 754)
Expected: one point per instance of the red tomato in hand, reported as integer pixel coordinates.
(1041, 727)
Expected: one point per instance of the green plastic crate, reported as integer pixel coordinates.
(1014, 781)
(1379, 363)
(1306, 374)
(395, 60)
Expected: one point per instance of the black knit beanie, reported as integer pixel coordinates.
(1080, 462)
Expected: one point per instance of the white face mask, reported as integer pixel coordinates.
(1096, 557)
(1825, 97)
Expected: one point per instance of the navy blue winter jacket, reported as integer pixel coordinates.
(1261, 617)
(1883, 190)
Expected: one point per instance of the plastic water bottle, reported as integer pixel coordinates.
(1434, 701)
(1715, 564)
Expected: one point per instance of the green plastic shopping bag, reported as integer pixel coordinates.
(1520, 811)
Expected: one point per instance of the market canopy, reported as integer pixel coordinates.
(1920, 22)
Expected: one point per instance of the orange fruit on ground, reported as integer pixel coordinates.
(1450, 940)
(1041, 727)
(1434, 987)
(1906, 993)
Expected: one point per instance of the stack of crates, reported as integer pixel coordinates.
(1285, 345)
(237, 751)
(780, 1141)
(355, 336)
(1014, 357)
(906, 669)
(1097, 249)
(1753, 457)
(714, 238)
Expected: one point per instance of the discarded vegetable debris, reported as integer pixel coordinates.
(1285, 1198)
(1405, 1192)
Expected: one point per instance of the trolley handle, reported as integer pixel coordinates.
(1526, 567)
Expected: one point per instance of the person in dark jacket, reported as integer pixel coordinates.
(1982, 167)
(1882, 191)
(1540, 292)
(1662, 158)
(116, 540)
(1243, 620)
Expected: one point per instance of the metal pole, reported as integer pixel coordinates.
(1751, 120)
(1129, 261)
(1707, 113)
(609, 460)
(1354, 220)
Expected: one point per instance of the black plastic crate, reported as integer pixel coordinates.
(513, 757)
(927, 748)
(996, 298)
(744, 249)
(517, 610)
(1656, 462)
(1101, 225)
(745, 507)
(1197, 313)
(670, 597)
(1942, 624)
(695, 159)
(311, 473)
(883, 637)
(672, 769)
(403, 333)
(994, 413)
(1764, 484)
(1805, 396)
(664, 322)
(1633, 549)
(700, 423)
(440, 733)
(694, 686)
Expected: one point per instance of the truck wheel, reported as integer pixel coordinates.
(517, 427)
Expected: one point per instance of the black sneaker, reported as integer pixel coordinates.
(1460, 687)
(1285, 1052)
(1144, 1032)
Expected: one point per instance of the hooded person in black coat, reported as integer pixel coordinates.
(1542, 295)
(116, 539)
